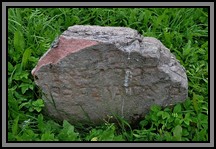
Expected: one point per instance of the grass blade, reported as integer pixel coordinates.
(19, 42)
(25, 58)
(15, 126)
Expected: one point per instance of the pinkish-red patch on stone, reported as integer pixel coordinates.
(65, 47)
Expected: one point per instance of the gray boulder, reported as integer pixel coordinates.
(91, 73)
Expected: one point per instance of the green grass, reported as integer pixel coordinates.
(183, 30)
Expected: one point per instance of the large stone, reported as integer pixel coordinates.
(93, 72)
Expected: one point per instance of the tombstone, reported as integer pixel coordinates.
(91, 73)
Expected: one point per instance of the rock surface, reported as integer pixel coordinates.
(93, 72)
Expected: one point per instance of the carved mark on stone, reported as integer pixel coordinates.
(66, 90)
(55, 89)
